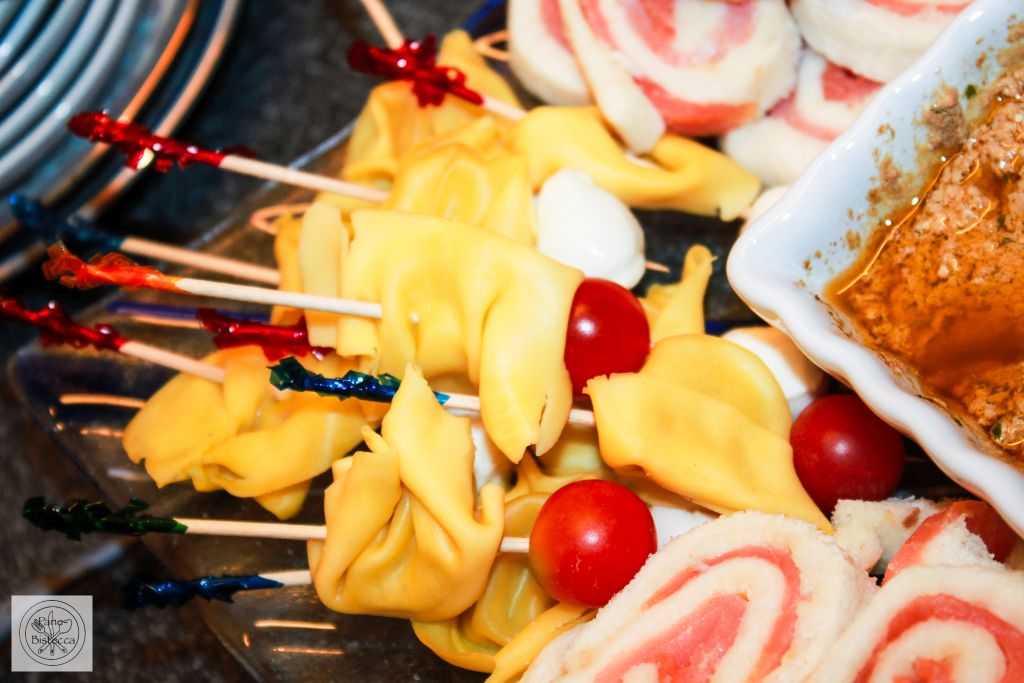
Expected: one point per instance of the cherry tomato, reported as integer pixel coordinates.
(607, 333)
(590, 538)
(843, 450)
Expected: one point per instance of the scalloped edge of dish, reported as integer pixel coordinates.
(777, 268)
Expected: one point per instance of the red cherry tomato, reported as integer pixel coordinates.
(590, 538)
(607, 333)
(843, 450)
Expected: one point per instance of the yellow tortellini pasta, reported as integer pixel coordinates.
(455, 181)
(680, 174)
(705, 419)
(679, 308)
(238, 436)
(393, 121)
(404, 537)
(458, 300)
(514, 618)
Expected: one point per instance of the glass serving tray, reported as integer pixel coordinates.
(286, 634)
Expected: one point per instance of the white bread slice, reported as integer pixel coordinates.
(622, 103)
(928, 599)
(868, 38)
(542, 63)
(871, 532)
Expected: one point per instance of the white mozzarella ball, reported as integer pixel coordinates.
(801, 380)
(589, 228)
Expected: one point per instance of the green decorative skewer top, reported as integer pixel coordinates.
(77, 517)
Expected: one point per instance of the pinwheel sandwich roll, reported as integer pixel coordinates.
(945, 623)
(827, 100)
(872, 532)
(877, 39)
(747, 597)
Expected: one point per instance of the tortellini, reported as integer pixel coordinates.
(238, 436)
(677, 174)
(393, 122)
(404, 537)
(514, 618)
(705, 419)
(455, 181)
(458, 300)
(679, 308)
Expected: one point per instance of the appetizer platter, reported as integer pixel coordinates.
(466, 390)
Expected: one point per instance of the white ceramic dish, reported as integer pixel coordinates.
(782, 263)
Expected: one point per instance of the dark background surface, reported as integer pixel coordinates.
(281, 88)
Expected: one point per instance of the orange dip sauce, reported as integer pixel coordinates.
(941, 287)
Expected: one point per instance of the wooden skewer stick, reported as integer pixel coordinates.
(291, 176)
(173, 360)
(57, 327)
(201, 260)
(469, 403)
(385, 23)
(143, 148)
(295, 532)
(76, 518)
(34, 216)
(117, 270)
(274, 297)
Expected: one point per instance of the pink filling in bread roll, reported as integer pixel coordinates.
(707, 66)
(827, 100)
(748, 596)
(935, 624)
(876, 39)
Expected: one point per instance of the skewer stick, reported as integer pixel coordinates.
(385, 23)
(56, 327)
(115, 269)
(78, 517)
(51, 226)
(577, 416)
(201, 260)
(291, 375)
(143, 148)
(274, 297)
(173, 360)
(290, 176)
(295, 532)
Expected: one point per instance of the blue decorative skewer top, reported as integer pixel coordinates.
(133, 309)
(290, 374)
(52, 227)
(140, 593)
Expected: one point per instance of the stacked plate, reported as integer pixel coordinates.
(144, 60)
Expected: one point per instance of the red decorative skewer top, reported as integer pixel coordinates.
(141, 146)
(56, 327)
(276, 341)
(107, 269)
(415, 61)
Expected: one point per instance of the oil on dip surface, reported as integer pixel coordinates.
(941, 287)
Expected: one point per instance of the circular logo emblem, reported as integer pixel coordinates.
(52, 632)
